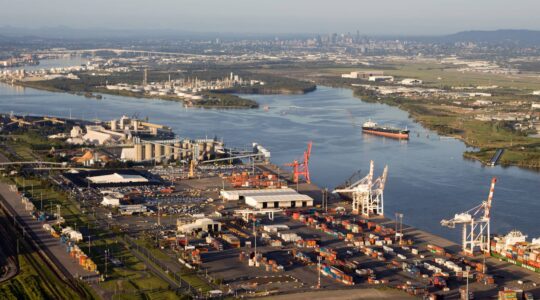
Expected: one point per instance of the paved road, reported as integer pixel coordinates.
(344, 295)
(51, 245)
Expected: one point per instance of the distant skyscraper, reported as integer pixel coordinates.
(145, 77)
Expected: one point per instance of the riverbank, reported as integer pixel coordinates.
(485, 136)
(269, 90)
(211, 100)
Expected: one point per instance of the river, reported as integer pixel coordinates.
(428, 178)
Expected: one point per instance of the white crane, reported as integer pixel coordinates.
(367, 195)
(476, 224)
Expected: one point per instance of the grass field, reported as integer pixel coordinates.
(438, 75)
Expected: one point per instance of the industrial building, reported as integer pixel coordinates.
(362, 74)
(117, 178)
(269, 198)
(98, 135)
(411, 81)
(110, 201)
(172, 149)
(379, 78)
(203, 224)
(110, 178)
(132, 209)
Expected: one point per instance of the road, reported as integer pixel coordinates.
(52, 246)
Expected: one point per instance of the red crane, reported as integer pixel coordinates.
(302, 168)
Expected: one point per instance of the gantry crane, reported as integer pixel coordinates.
(302, 168)
(367, 194)
(53, 120)
(21, 122)
(476, 224)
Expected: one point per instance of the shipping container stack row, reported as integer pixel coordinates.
(232, 240)
(354, 231)
(214, 243)
(412, 289)
(302, 257)
(336, 274)
(28, 205)
(78, 255)
(259, 260)
(264, 180)
(515, 249)
(238, 232)
(514, 294)
(51, 230)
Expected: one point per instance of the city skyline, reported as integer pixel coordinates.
(415, 17)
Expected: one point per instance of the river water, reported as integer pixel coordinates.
(428, 178)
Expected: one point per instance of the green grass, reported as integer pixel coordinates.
(36, 188)
(29, 285)
(450, 76)
(194, 280)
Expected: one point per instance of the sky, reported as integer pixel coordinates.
(402, 17)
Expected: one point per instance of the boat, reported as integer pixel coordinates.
(373, 128)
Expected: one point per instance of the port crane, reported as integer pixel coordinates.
(476, 224)
(301, 168)
(52, 120)
(21, 122)
(367, 194)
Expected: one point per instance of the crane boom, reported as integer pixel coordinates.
(476, 224)
(487, 209)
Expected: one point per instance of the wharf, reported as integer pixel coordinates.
(495, 159)
(505, 274)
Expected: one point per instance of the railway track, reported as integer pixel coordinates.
(30, 247)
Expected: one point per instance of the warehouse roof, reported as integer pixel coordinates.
(279, 197)
(117, 178)
(235, 194)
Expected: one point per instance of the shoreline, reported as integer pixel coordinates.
(416, 117)
(216, 96)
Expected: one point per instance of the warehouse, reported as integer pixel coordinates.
(110, 178)
(242, 194)
(279, 201)
(117, 178)
(269, 198)
(203, 224)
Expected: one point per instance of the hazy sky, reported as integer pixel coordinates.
(277, 16)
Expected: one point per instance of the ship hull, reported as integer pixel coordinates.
(395, 135)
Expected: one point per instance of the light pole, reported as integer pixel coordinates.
(255, 236)
(400, 232)
(319, 265)
(468, 268)
(106, 259)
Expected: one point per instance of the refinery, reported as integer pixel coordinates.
(220, 221)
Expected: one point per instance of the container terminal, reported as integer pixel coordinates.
(250, 228)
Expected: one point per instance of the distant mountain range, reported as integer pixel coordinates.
(517, 36)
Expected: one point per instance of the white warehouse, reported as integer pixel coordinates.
(269, 198)
(203, 224)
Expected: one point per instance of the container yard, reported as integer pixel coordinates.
(334, 249)
(253, 228)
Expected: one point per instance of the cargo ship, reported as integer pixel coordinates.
(373, 128)
(515, 249)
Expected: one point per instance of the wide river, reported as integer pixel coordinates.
(428, 178)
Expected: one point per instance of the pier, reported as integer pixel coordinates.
(495, 159)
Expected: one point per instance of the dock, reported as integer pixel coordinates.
(495, 159)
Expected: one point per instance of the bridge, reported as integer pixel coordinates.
(120, 51)
(41, 163)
